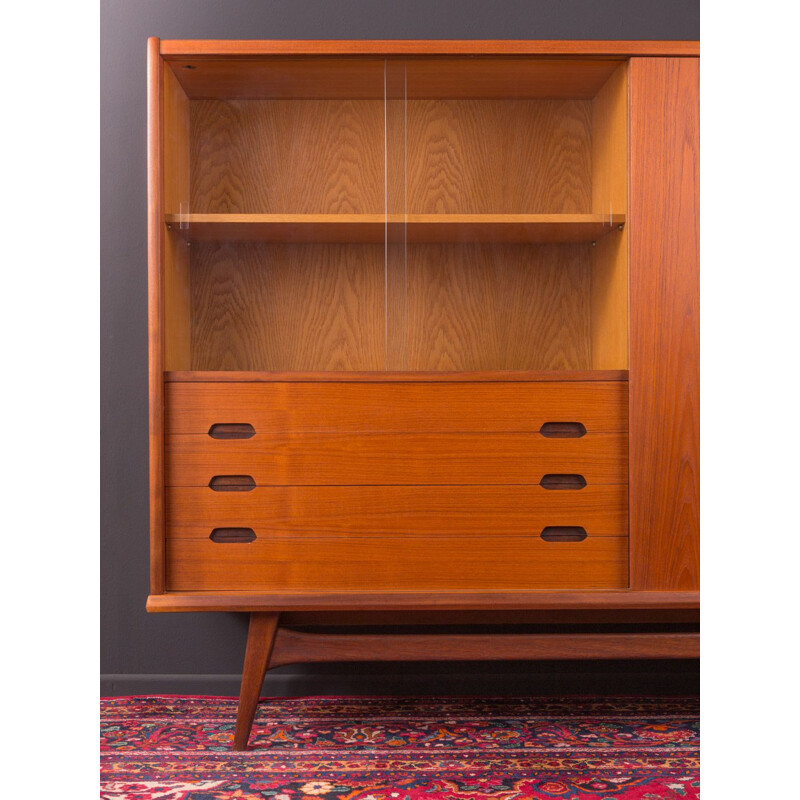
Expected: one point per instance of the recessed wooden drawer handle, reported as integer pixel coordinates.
(232, 483)
(232, 430)
(563, 533)
(563, 430)
(562, 482)
(232, 535)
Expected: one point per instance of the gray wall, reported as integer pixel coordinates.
(202, 652)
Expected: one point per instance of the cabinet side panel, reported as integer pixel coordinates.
(177, 293)
(664, 357)
(155, 314)
(609, 294)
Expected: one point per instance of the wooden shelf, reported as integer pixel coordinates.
(393, 376)
(414, 228)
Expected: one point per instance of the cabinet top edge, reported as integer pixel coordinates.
(214, 48)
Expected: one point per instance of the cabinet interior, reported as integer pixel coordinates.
(346, 214)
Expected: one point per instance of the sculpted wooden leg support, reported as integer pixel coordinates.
(260, 639)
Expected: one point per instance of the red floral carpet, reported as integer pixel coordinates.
(361, 748)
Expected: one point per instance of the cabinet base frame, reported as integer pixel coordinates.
(270, 646)
(423, 601)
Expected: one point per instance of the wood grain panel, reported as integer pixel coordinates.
(371, 459)
(177, 305)
(499, 600)
(320, 77)
(256, 306)
(176, 144)
(287, 156)
(336, 511)
(498, 156)
(510, 78)
(609, 295)
(396, 407)
(389, 563)
(610, 145)
(474, 307)
(299, 647)
(609, 302)
(664, 377)
(284, 78)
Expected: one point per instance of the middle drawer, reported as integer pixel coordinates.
(277, 511)
(303, 459)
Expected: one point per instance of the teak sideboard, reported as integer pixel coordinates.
(423, 331)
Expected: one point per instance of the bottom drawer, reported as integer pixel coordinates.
(389, 563)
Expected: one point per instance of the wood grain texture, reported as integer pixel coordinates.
(609, 302)
(211, 48)
(176, 144)
(177, 304)
(255, 304)
(396, 407)
(260, 641)
(283, 78)
(506, 78)
(298, 459)
(378, 228)
(464, 563)
(395, 376)
(297, 647)
(155, 312)
(471, 307)
(610, 145)
(498, 156)
(287, 156)
(475, 307)
(413, 511)
(664, 377)
(609, 294)
(315, 601)
(177, 291)
(320, 77)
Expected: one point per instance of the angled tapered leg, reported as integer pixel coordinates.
(260, 638)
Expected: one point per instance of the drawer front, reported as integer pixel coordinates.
(192, 408)
(401, 486)
(334, 512)
(393, 563)
(413, 458)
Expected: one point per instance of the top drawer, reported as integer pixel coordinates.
(193, 408)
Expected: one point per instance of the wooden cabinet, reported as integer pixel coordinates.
(424, 341)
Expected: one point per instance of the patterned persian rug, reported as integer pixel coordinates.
(390, 748)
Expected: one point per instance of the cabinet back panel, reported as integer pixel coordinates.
(329, 156)
(287, 156)
(483, 307)
(498, 156)
(307, 307)
(288, 307)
